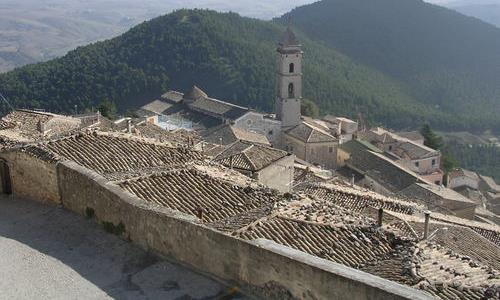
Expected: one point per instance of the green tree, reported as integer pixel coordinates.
(309, 108)
(431, 139)
(107, 109)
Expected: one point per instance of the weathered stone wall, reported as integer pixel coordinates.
(261, 265)
(31, 177)
(279, 175)
(256, 122)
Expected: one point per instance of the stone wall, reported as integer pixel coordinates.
(257, 122)
(262, 266)
(279, 175)
(31, 177)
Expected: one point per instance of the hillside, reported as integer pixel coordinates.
(443, 59)
(487, 12)
(232, 58)
(229, 56)
(37, 30)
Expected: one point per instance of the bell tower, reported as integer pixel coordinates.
(289, 80)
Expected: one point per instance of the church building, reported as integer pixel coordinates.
(314, 141)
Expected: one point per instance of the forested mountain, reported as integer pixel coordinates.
(38, 30)
(399, 69)
(444, 59)
(229, 56)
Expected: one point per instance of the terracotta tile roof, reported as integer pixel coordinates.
(4, 124)
(289, 39)
(488, 231)
(249, 157)
(40, 153)
(26, 125)
(226, 134)
(356, 200)
(413, 150)
(453, 276)
(199, 101)
(188, 190)
(358, 146)
(176, 137)
(195, 93)
(386, 172)
(490, 182)
(157, 106)
(463, 241)
(115, 156)
(463, 172)
(358, 246)
(309, 133)
(172, 96)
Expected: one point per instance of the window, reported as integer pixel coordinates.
(291, 91)
(330, 149)
(417, 164)
(433, 162)
(292, 68)
(390, 148)
(270, 132)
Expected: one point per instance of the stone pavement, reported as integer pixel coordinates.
(49, 253)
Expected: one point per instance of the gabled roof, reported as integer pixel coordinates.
(156, 106)
(249, 157)
(309, 133)
(218, 108)
(414, 151)
(289, 38)
(226, 134)
(411, 135)
(195, 93)
(463, 173)
(383, 170)
(173, 96)
(490, 182)
(356, 146)
(199, 101)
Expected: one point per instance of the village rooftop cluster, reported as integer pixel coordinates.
(370, 199)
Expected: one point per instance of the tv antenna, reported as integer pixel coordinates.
(6, 101)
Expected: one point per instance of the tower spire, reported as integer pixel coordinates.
(289, 79)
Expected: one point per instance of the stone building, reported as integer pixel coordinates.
(228, 134)
(312, 144)
(28, 126)
(312, 140)
(372, 169)
(271, 167)
(463, 178)
(424, 161)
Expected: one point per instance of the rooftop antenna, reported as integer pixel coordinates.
(5, 100)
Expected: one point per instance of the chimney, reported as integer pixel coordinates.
(380, 216)
(199, 213)
(129, 126)
(426, 225)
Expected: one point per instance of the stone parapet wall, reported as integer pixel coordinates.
(262, 266)
(32, 178)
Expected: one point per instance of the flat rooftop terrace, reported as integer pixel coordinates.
(50, 253)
